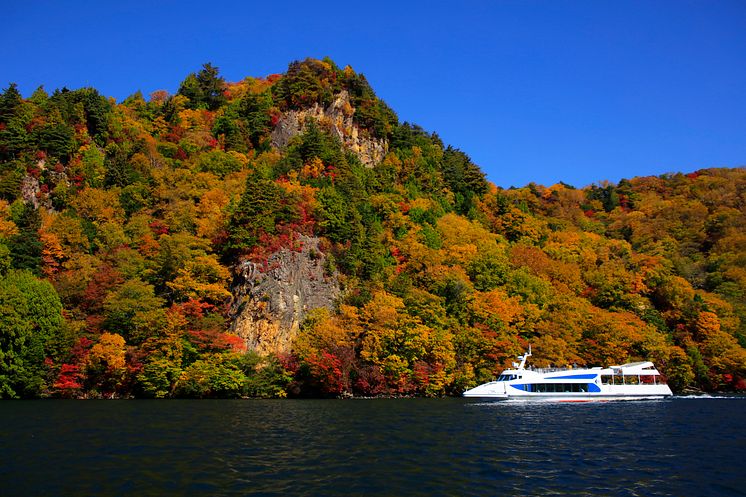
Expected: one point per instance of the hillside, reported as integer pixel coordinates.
(288, 235)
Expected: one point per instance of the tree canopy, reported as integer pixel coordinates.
(123, 226)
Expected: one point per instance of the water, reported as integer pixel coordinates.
(380, 447)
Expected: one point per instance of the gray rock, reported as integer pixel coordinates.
(270, 301)
(337, 118)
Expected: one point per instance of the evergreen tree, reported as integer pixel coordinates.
(204, 89)
(10, 100)
(25, 247)
(258, 212)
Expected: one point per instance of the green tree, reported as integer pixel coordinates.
(255, 111)
(134, 311)
(463, 178)
(204, 89)
(265, 375)
(30, 321)
(220, 163)
(214, 375)
(261, 209)
(10, 100)
(85, 106)
(15, 117)
(57, 140)
(158, 377)
(25, 247)
(305, 83)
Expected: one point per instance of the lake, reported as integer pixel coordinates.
(383, 447)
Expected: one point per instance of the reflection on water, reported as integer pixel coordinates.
(371, 447)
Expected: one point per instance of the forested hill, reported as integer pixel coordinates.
(288, 235)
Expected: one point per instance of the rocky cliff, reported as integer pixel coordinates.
(270, 301)
(338, 119)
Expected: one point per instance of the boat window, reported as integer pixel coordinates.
(607, 379)
(631, 380)
(647, 379)
(557, 388)
(618, 379)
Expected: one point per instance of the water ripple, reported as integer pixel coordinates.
(372, 447)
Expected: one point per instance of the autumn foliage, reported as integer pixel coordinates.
(121, 225)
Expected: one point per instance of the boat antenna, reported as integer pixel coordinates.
(523, 359)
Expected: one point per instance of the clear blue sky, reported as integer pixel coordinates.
(543, 91)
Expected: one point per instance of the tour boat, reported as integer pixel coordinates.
(633, 381)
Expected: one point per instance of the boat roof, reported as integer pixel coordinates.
(635, 364)
(645, 367)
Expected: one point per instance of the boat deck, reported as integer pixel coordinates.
(556, 369)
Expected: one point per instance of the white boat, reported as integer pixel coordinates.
(633, 381)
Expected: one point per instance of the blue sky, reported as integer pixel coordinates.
(542, 91)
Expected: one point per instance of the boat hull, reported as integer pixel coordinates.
(566, 398)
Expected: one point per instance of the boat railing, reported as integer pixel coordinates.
(553, 369)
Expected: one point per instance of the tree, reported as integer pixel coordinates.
(25, 246)
(221, 163)
(202, 278)
(305, 83)
(214, 375)
(463, 178)
(266, 376)
(10, 100)
(204, 89)
(134, 311)
(57, 140)
(159, 376)
(15, 118)
(175, 253)
(259, 212)
(105, 365)
(30, 320)
(255, 111)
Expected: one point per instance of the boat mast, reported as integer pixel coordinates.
(523, 359)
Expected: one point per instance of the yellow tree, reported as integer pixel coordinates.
(324, 331)
(105, 364)
(7, 226)
(202, 277)
(393, 340)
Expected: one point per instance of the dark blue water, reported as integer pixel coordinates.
(678, 447)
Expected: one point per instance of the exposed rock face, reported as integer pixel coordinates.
(31, 188)
(270, 303)
(30, 191)
(337, 118)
